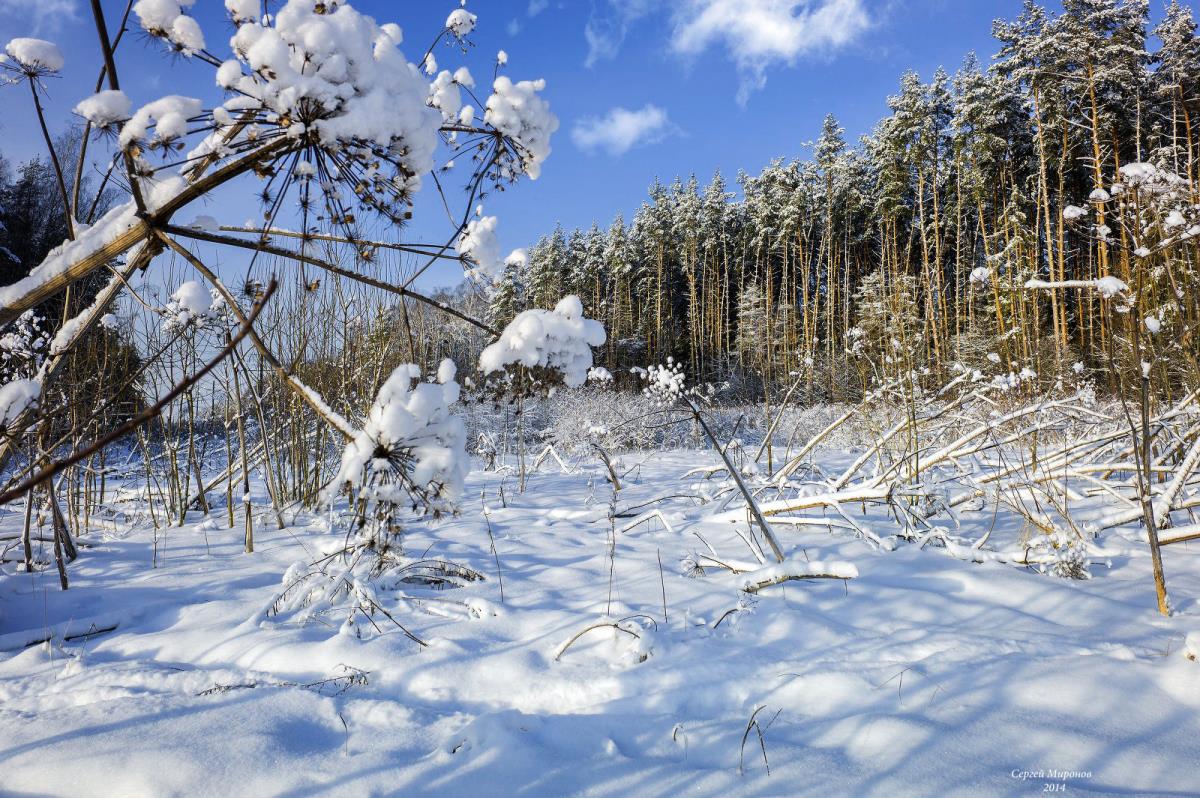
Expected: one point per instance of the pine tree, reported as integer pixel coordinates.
(507, 297)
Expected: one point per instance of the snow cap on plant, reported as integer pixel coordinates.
(411, 449)
(191, 307)
(480, 246)
(166, 20)
(32, 57)
(461, 22)
(516, 110)
(560, 340)
(105, 109)
(664, 384)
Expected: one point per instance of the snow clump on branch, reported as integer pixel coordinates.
(169, 115)
(559, 340)
(444, 95)
(191, 306)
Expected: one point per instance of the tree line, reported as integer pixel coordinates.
(914, 248)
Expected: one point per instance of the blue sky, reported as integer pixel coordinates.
(731, 83)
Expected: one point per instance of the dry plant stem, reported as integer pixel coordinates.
(367, 244)
(612, 473)
(58, 172)
(1185, 535)
(1160, 579)
(798, 460)
(62, 552)
(663, 584)
(26, 533)
(751, 504)
(270, 477)
(592, 628)
(495, 553)
(60, 525)
(247, 509)
(251, 460)
(256, 246)
(147, 415)
(305, 393)
(758, 728)
(110, 69)
(779, 411)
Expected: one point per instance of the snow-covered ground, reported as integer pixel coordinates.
(925, 675)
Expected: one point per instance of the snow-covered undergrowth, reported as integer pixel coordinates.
(579, 664)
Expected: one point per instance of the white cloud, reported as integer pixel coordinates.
(755, 33)
(44, 16)
(620, 130)
(607, 25)
(759, 32)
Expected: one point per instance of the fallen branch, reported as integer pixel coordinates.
(793, 570)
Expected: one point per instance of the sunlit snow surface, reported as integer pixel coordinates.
(926, 675)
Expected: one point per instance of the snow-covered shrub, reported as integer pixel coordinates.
(1061, 554)
(664, 384)
(23, 346)
(546, 346)
(350, 589)
(410, 452)
(409, 455)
